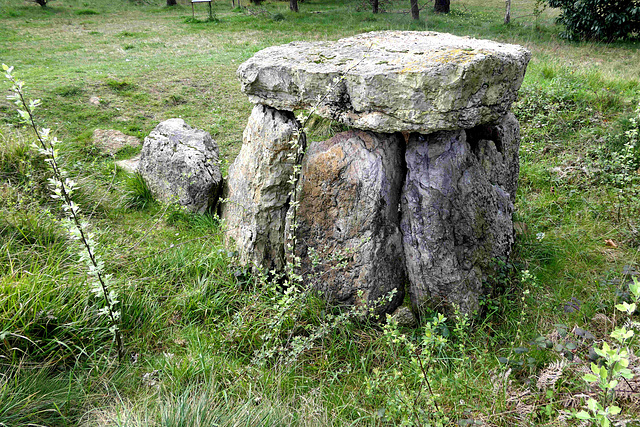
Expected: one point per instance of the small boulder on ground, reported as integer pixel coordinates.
(405, 317)
(110, 141)
(129, 165)
(180, 164)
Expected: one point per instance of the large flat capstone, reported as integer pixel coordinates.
(390, 81)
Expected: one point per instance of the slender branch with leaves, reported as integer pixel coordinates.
(62, 188)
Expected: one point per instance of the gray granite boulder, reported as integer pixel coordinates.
(180, 164)
(348, 236)
(390, 81)
(257, 191)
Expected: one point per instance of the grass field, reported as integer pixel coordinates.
(208, 344)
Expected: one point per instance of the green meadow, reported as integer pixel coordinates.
(209, 344)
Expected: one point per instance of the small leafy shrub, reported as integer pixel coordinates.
(616, 164)
(604, 20)
(404, 389)
(614, 366)
(62, 189)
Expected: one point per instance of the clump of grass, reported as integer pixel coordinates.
(175, 99)
(69, 91)
(21, 168)
(138, 193)
(127, 34)
(87, 12)
(192, 20)
(36, 397)
(120, 85)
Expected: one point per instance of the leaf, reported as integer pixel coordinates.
(520, 350)
(626, 373)
(610, 243)
(503, 360)
(614, 410)
(590, 378)
(582, 415)
(583, 333)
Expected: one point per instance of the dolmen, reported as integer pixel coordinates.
(417, 196)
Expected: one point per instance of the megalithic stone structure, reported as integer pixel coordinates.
(417, 196)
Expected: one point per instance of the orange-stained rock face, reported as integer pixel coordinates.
(348, 236)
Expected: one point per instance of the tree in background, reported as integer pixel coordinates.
(171, 3)
(374, 6)
(442, 6)
(293, 5)
(604, 20)
(507, 14)
(415, 10)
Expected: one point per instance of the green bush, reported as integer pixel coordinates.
(604, 20)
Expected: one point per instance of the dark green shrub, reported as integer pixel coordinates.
(604, 20)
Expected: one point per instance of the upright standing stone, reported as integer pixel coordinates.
(347, 233)
(258, 188)
(456, 216)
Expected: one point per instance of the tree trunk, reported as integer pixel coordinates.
(171, 3)
(442, 6)
(293, 5)
(507, 15)
(42, 3)
(415, 11)
(374, 5)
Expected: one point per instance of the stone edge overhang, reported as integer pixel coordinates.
(461, 83)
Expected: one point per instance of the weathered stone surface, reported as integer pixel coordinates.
(391, 81)
(129, 165)
(180, 164)
(405, 317)
(258, 188)
(499, 143)
(348, 237)
(457, 213)
(110, 141)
